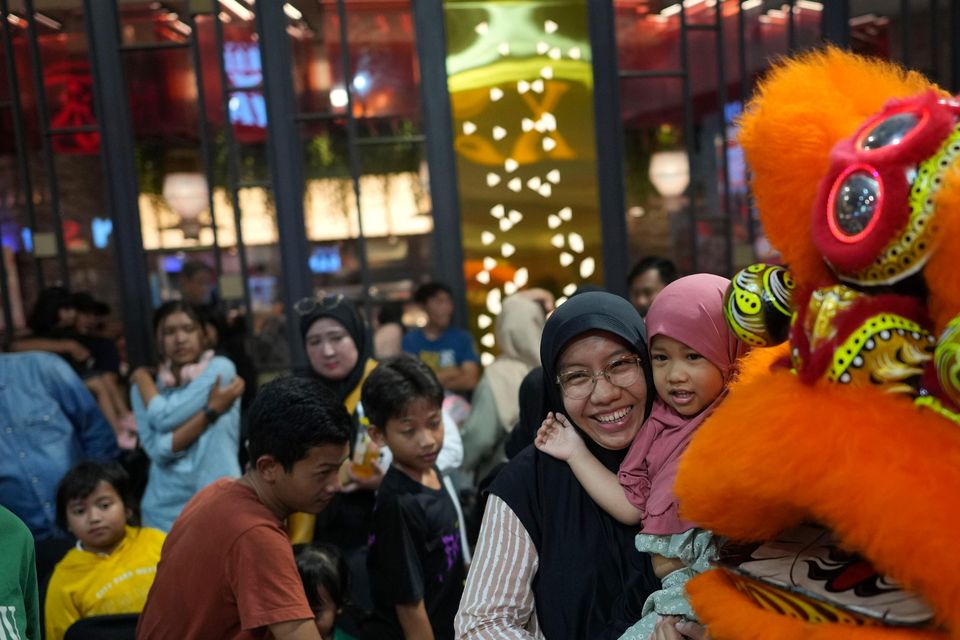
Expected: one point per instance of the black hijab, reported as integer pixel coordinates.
(591, 582)
(344, 312)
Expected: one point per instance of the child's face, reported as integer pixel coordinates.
(415, 437)
(684, 379)
(181, 339)
(98, 520)
(325, 613)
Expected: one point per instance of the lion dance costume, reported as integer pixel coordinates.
(833, 466)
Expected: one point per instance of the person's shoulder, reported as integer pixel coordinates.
(12, 528)
(226, 504)
(222, 365)
(73, 562)
(41, 363)
(225, 511)
(397, 491)
(394, 484)
(413, 337)
(147, 536)
(520, 471)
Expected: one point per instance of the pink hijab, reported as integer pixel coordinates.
(689, 310)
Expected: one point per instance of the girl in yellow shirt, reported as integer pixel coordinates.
(113, 565)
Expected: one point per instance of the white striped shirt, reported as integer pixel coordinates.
(498, 602)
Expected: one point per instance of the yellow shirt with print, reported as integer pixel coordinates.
(86, 584)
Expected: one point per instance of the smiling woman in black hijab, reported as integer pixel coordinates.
(550, 563)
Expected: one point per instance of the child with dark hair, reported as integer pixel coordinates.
(417, 552)
(326, 579)
(113, 565)
(228, 569)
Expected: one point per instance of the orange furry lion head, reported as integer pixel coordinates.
(854, 426)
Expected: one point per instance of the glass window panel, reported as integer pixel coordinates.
(646, 41)
(386, 74)
(154, 22)
(652, 114)
(386, 103)
(881, 28)
(88, 227)
(397, 214)
(15, 239)
(162, 90)
(711, 246)
(253, 165)
(654, 160)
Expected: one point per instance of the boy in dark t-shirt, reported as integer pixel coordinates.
(415, 558)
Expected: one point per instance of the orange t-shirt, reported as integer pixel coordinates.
(226, 571)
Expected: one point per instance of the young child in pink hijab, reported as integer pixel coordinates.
(694, 356)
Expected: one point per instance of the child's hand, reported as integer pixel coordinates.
(557, 438)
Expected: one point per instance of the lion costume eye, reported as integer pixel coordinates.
(856, 202)
(890, 131)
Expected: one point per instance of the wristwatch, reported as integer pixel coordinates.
(211, 414)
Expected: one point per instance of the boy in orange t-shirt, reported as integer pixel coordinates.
(227, 568)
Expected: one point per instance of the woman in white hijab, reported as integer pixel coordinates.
(496, 406)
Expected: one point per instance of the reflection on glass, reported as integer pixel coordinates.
(393, 215)
(384, 73)
(660, 218)
(67, 85)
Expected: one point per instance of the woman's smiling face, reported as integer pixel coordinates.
(610, 415)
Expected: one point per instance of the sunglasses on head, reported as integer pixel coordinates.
(306, 306)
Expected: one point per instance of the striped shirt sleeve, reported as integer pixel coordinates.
(497, 602)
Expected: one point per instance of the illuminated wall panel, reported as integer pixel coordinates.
(521, 87)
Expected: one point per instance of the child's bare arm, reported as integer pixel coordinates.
(559, 439)
(414, 621)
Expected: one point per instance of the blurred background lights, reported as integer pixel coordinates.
(587, 267)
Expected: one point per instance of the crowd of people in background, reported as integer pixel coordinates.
(393, 488)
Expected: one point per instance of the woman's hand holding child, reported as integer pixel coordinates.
(557, 438)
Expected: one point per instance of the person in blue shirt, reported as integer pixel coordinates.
(448, 350)
(188, 419)
(48, 423)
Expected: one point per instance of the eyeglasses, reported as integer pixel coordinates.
(306, 306)
(580, 384)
